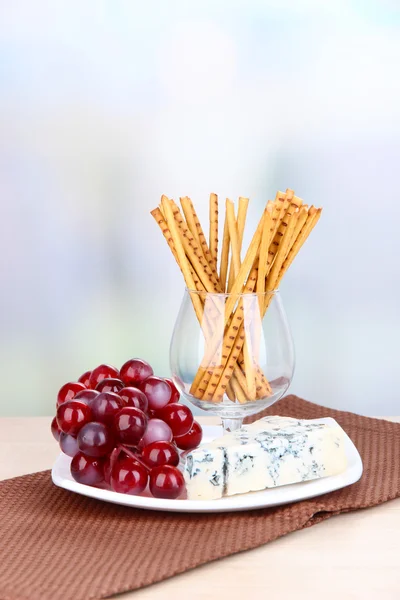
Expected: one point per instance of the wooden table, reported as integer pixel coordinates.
(351, 557)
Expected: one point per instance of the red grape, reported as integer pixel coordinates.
(128, 476)
(134, 371)
(166, 482)
(160, 453)
(191, 439)
(95, 439)
(156, 431)
(86, 395)
(130, 424)
(69, 391)
(87, 469)
(174, 391)
(55, 430)
(131, 396)
(107, 470)
(110, 385)
(178, 416)
(72, 415)
(68, 444)
(158, 392)
(104, 407)
(85, 378)
(102, 372)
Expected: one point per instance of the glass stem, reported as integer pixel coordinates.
(231, 424)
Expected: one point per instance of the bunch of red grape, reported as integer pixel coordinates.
(123, 430)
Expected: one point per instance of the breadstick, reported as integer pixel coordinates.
(201, 380)
(295, 204)
(237, 390)
(312, 219)
(208, 386)
(213, 239)
(250, 257)
(302, 218)
(280, 249)
(256, 382)
(235, 266)
(224, 255)
(234, 237)
(187, 206)
(182, 260)
(240, 378)
(221, 349)
(159, 219)
(282, 203)
(234, 270)
(190, 220)
(262, 267)
(192, 250)
(230, 390)
(262, 271)
(287, 199)
(241, 222)
(157, 215)
(278, 253)
(275, 218)
(283, 250)
(276, 210)
(275, 248)
(217, 390)
(200, 266)
(241, 218)
(251, 254)
(233, 341)
(249, 363)
(206, 319)
(282, 224)
(195, 230)
(262, 386)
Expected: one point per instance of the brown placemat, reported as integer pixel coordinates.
(58, 545)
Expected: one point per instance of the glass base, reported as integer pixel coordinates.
(230, 425)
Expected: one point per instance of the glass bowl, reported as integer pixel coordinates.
(232, 355)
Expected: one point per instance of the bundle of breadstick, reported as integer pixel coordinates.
(229, 367)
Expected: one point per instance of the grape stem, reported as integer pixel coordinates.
(129, 452)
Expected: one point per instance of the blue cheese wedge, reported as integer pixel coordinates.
(271, 452)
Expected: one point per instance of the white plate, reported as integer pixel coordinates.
(271, 497)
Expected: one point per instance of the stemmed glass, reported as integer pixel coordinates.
(232, 356)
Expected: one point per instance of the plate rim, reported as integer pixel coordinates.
(249, 501)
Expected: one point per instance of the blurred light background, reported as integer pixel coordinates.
(107, 104)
